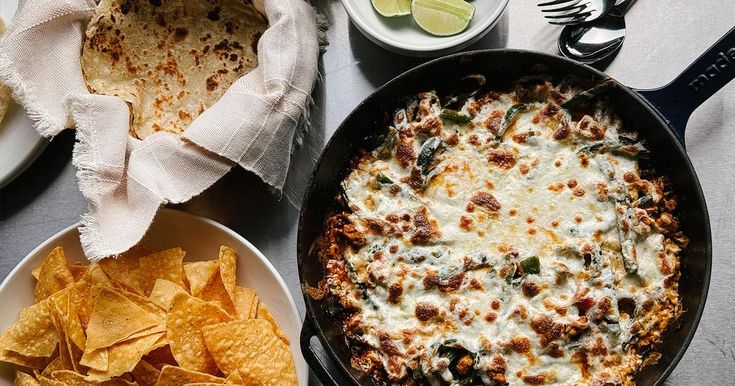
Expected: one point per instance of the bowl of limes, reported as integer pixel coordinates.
(424, 27)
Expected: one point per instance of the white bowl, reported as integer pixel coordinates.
(201, 239)
(402, 35)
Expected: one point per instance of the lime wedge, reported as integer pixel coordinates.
(442, 17)
(392, 8)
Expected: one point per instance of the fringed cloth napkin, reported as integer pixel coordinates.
(126, 180)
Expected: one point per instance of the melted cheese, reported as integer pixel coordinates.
(551, 205)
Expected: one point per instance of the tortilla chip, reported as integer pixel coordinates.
(184, 322)
(124, 356)
(20, 360)
(23, 379)
(147, 305)
(70, 378)
(160, 357)
(67, 315)
(161, 342)
(69, 353)
(95, 275)
(124, 271)
(36, 272)
(53, 366)
(45, 381)
(95, 359)
(34, 334)
(234, 378)
(199, 273)
(246, 303)
(85, 291)
(177, 376)
(53, 276)
(228, 269)
(75, 355)
(265, 314)
(145, 374)
(161, 265)
(202, 384)
(163, 293)
(216, 293)
(78, 271)
(114, 319)
(251, 347)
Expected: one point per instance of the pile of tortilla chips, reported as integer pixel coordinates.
(146, 319)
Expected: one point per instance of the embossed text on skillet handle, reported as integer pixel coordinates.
(710, 72)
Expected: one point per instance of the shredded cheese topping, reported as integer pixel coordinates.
(509, 241)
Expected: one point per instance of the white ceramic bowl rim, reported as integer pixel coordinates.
(447, 41)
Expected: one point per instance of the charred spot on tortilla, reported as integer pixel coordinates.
(169, 61)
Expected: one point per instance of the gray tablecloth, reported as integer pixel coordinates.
(663, 38)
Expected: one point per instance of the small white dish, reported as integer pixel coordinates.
(403, 36)
(20, 144)
(201, 239)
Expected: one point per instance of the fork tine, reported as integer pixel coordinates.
(575, 6)
(575, 15)
(579, 12)
(573, 20)
(553, 2)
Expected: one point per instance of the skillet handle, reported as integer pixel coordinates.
(318, 359)
(710, 72)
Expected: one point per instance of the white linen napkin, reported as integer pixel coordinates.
(126, 180)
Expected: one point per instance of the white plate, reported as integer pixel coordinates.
(201, 239)
(402, 35)
(20, 145)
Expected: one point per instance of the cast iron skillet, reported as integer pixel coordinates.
(660, 115)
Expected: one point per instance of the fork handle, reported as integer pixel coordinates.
(710, 72)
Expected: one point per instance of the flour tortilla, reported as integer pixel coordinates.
(169, 59)
(4, 90)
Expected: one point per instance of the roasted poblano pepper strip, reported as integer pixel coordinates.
(509, 275)
(594, 148)
(383, 179)
(643, 200)
(467, 380)
(590, 94)
(476, 78)
(417, 373)
(634, 149)
(454, 116)
(531, 265)
(510, 116)
(427, 153)
(388, 143)
(627, 246)
(449, 354)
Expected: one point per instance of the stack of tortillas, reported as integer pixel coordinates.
(170, 61)
(166, 97)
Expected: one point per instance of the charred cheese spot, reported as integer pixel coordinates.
(486, 200)
(426, 311)
(427, 228)
(519, 344)
(504, 159)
